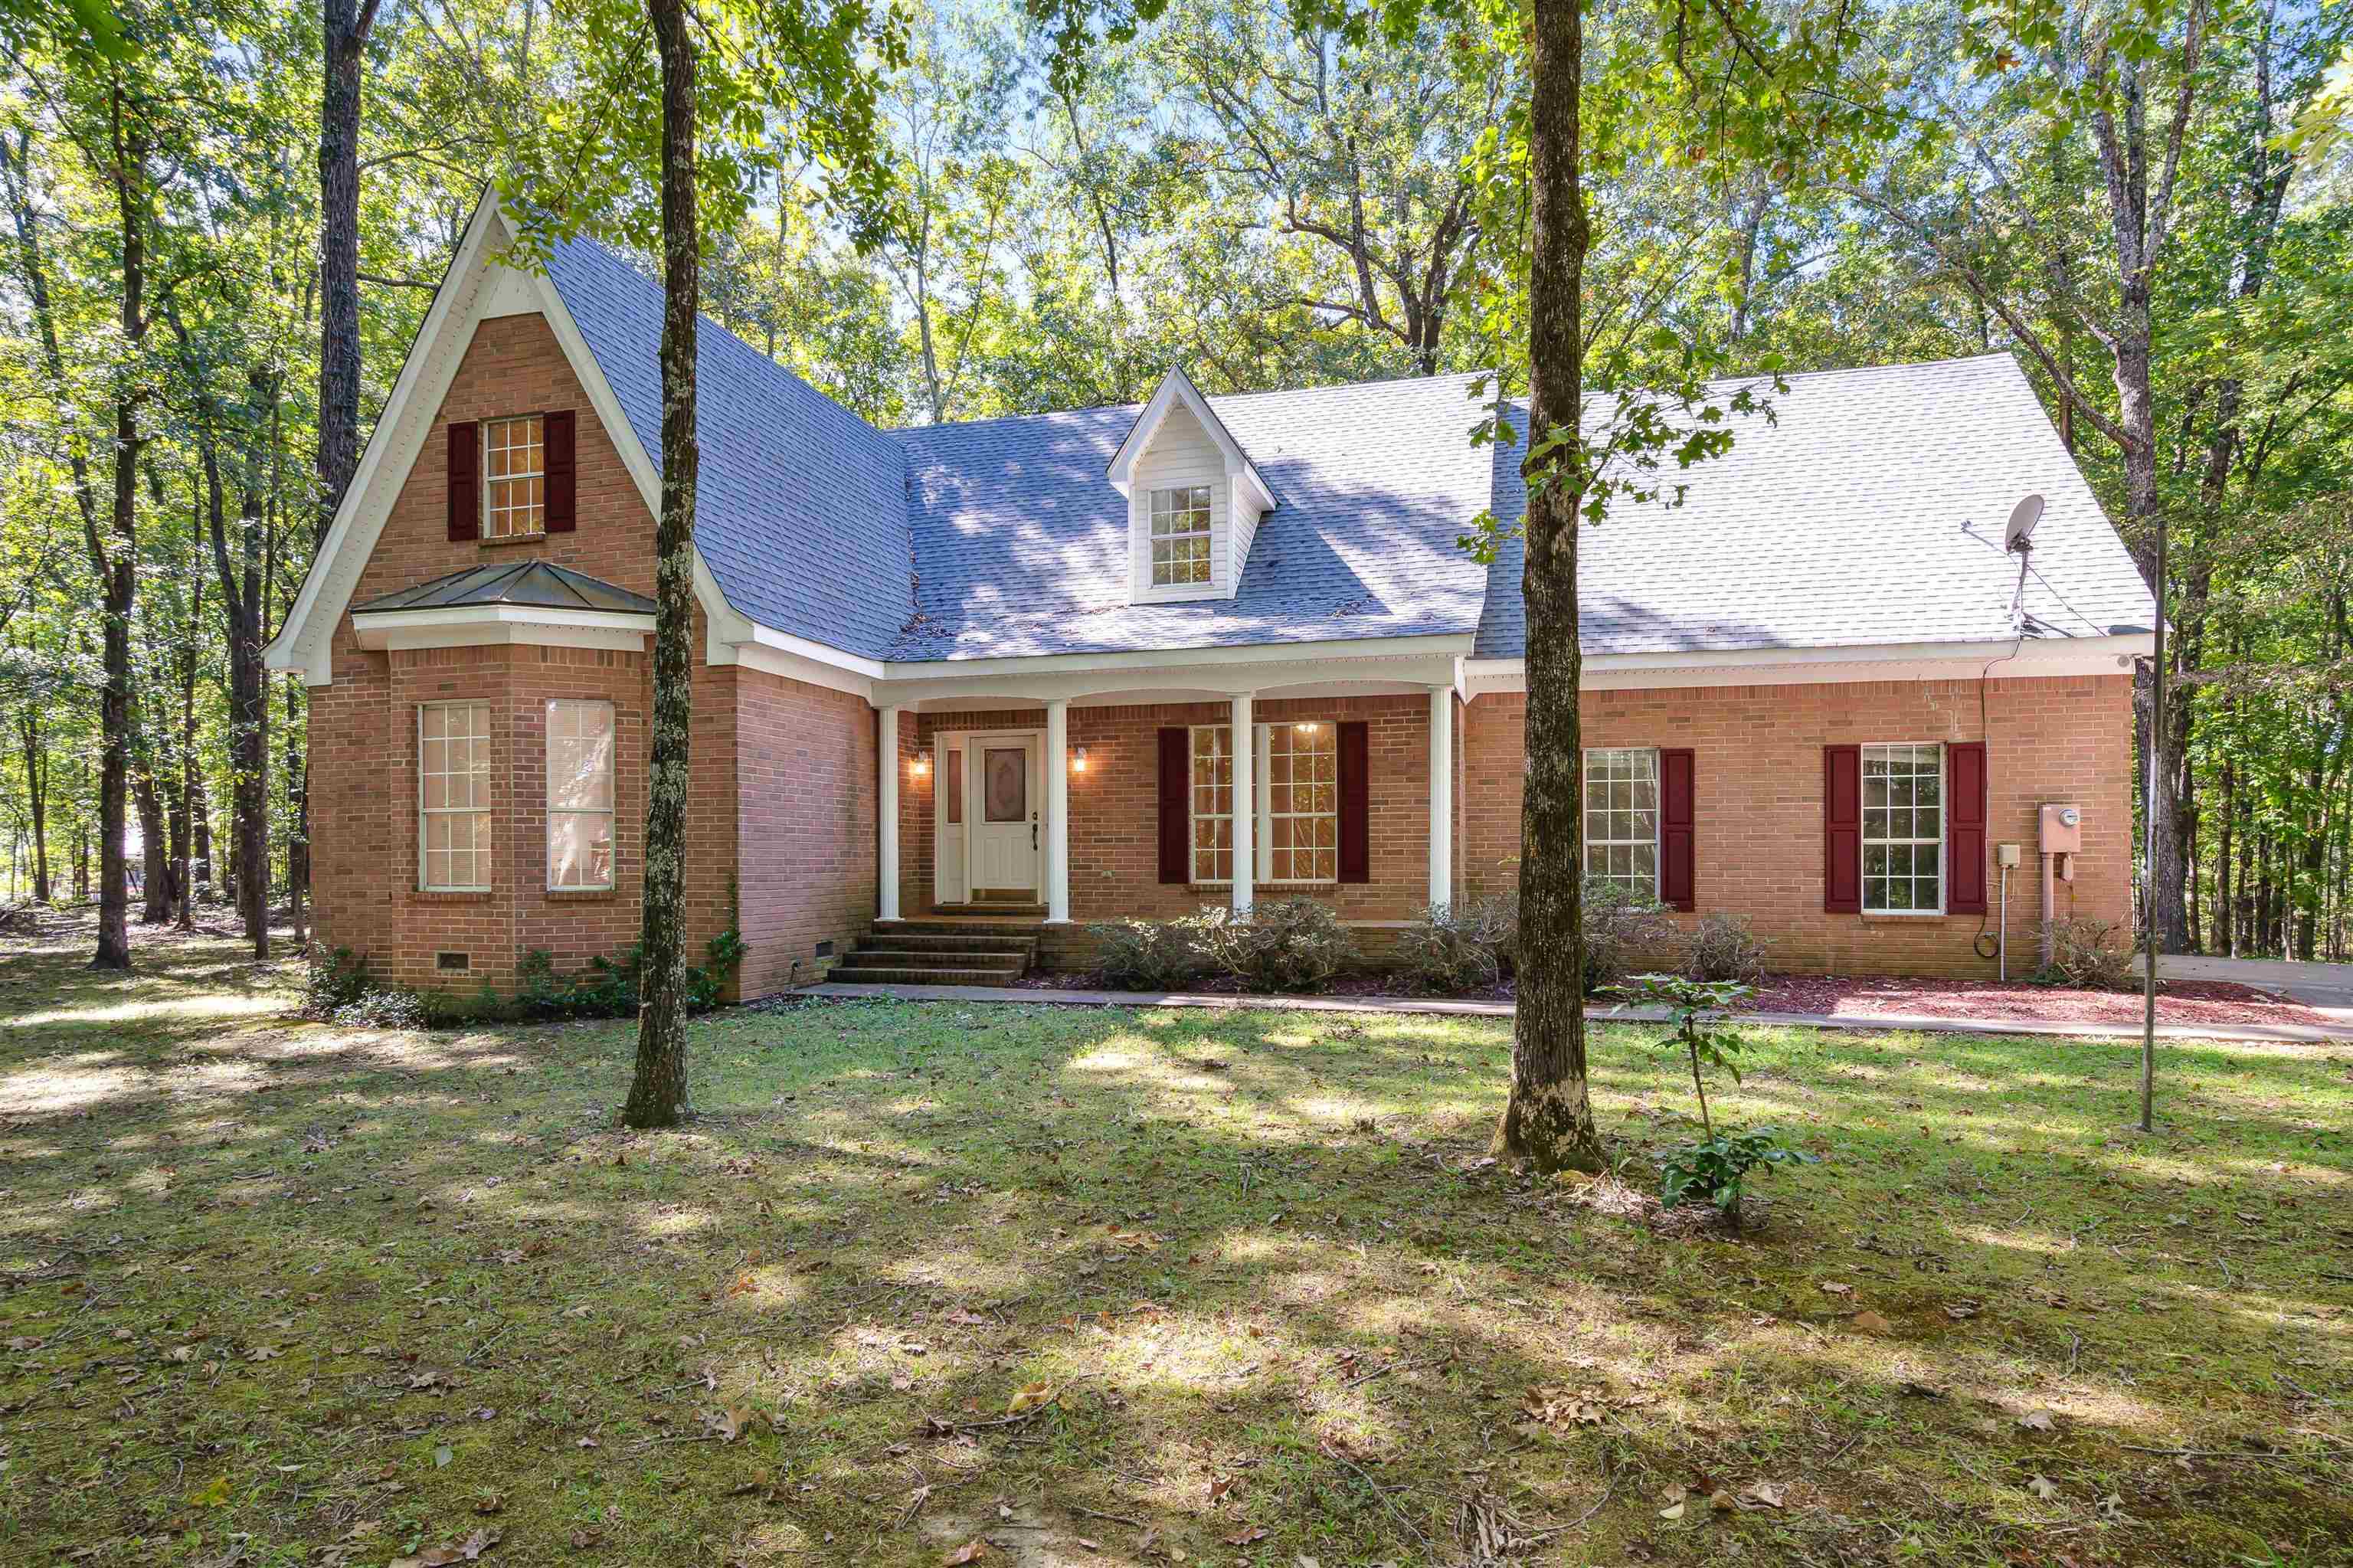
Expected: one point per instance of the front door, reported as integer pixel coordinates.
(1002, 807)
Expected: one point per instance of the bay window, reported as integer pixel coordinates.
(579, 795)
(453, 797)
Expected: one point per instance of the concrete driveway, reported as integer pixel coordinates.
(2325, 988)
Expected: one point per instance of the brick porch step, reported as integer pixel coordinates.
(940, 952)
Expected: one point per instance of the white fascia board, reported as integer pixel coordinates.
(1388, 663)
(463, 625)
(1176, 387)
(2031, 657)
(306, 642)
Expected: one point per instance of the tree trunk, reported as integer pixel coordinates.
(155, 905)
(115, 561)
(347, 25)
(37, 796)
(1550, 1118)
(657, 1096)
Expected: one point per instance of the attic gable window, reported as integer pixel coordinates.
(514, 462)
(1180, 535)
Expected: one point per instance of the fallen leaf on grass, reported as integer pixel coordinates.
(1960, 1311)
(465, 1550)
(1765, 1494)
(1243, 1537)
(1029, 1398)
(965, 1319)
(2038, 1421)
(1870, 1322)
(970, 1552)
(727, 1424)
(2042, 1487)
(1832, 1287)
(582, 1539)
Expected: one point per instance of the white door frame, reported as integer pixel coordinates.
(976, 745)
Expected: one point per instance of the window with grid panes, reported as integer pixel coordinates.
(514, 475)
(1902, 829)
(1621, 817)
(1180, 535)
(453, 797)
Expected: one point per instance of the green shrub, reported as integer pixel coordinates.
(334, 979)
(2085, 953)
(1620, 928)
(1721, 947)
(1149, 955)
(1452, 949)
(1281, 944)
(1715, 1170)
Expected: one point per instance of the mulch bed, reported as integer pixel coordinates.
(2178, 1001)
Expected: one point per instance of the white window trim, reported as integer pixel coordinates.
(423, 883)
(484, 481)
(1261, 814)
(549, 810)
(1658, 804)
(1863, 841)
(1207, 532)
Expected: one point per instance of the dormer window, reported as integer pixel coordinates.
(1193, 499)
(1180, 535)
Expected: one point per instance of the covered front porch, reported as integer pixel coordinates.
(1007, 805)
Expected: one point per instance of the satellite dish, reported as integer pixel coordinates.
(2022, 519)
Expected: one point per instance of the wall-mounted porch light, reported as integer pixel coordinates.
(1078, 760)
(918, 764)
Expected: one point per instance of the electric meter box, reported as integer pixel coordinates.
(2063, 830)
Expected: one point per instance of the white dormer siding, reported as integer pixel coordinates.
(1179, 443)
(1182, 455)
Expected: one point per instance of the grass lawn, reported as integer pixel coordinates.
(1103, 1287)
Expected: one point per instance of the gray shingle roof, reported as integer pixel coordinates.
(1839, 524)
(800, 507)
(1022, 548)
(539, 584)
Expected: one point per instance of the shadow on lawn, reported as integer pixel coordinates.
(1259, 1247)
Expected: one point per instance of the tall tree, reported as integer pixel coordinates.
(347, 25)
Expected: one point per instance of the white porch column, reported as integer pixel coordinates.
(1058, 810)
(1245, 802)
(886, 814)
(1441, 795)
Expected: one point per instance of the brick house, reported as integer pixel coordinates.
(1050, 670)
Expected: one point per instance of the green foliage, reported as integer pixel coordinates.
(1715, 1169)
(1452, 949)
(1149, 955)
(1621, 928)
(333, 979)
(1281, 945)
(1725, 946)
(1693, 1006)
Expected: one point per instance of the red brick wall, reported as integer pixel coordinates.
(1114, 806)
(1758, 816)
(777, 764)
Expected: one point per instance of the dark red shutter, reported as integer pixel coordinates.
(1842, 829)
(1176, 800)
(465, 481)
(1965, 828)
(1677, 882)
(1356, 802)
(562, 486)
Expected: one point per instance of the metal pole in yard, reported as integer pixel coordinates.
(2148, 851)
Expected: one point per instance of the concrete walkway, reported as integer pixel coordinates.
(1440, 1007)
(2326, 989)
